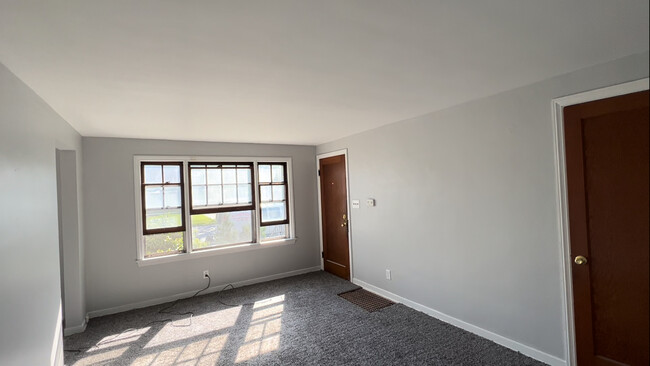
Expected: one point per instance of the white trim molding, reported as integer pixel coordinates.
(558, 106)
(496, 338)
(214, 288)
(216, 251)
(343, 152)
(56, 356)
(76, 329)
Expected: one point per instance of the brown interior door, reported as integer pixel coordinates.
(607, 179)
(334, 212)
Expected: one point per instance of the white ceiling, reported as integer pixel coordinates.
(300, 72)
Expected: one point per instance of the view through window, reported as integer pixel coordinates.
(228, 203)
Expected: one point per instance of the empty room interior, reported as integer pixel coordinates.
(324, 182)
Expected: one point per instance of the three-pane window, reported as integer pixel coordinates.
(229, 203)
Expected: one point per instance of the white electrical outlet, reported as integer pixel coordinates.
(388, 277)
(206, 274)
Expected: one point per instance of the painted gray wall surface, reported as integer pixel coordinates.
(112, 274)
(466, 215)
(30, 133)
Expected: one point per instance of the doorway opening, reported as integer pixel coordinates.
(599, 131)
(333, 193)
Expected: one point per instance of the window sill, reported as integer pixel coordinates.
(215, 251)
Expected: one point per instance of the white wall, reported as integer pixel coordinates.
(466, 215)
(30, 133)
(113, 276)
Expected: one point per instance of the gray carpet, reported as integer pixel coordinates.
(295, 321)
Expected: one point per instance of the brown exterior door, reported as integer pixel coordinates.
(334, 213)
(607, 178)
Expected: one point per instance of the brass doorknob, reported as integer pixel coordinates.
(580, 260)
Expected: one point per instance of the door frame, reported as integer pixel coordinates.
(319, 157)
(558, 105)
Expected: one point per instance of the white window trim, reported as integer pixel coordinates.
(187, 236)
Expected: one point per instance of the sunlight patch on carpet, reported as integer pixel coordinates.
(102, 358)
(263, 334)
(202, 352)
(269, 301)
(127, 336)
(201, 324)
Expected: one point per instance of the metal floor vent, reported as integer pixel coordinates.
(366, 299)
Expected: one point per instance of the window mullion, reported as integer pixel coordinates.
(207, 187)
(288, 178)
(220, 184)
(186, 207)
(257, 220)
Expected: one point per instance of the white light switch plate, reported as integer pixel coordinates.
(355, 204)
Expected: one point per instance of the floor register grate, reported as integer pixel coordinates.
(366, 299)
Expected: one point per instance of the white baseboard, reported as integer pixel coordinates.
(56, 358)
(213, 288)
(76, 329)
(506, 342)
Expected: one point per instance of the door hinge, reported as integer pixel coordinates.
(319, 172)
(322, 254)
